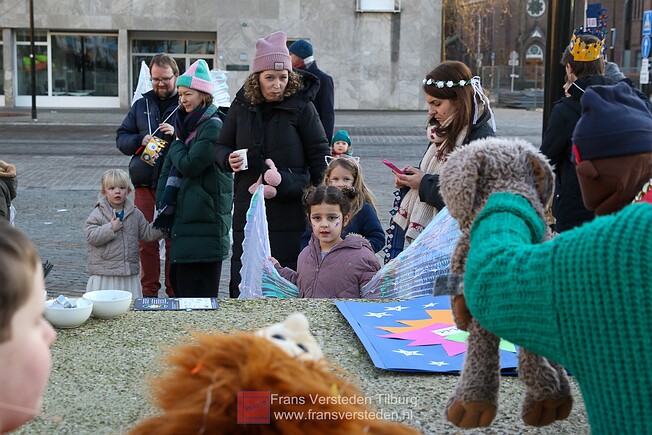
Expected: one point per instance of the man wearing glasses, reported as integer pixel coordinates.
(145, 133)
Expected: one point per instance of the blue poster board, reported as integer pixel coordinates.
(417, 335)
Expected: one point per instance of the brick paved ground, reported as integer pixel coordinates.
(61, 157)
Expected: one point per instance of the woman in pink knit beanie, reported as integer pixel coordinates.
(274, 119)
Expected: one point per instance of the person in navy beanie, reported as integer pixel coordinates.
(301, 53)
(613, 159)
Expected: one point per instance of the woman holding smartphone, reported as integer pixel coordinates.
(458, 113)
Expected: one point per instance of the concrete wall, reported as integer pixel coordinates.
(377, 60)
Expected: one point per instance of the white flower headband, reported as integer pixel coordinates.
(449, 84)
(477, 93)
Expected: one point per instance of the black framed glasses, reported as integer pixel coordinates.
(158, 80)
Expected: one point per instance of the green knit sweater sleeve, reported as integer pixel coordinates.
(508, 280)
(583, 299)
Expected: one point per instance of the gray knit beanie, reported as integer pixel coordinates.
(612, 71)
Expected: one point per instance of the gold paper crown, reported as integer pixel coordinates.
(583, 52)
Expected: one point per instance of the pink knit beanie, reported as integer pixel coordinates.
(272, 53)
(197, 77)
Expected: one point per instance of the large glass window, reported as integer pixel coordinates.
(184, 51)
(80, 65)
(84, 65)
(24, 62)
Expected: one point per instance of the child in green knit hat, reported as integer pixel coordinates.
(341, 144)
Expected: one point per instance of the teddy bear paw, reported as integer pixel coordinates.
(254, 186)
(545, 412)
(269, 192)
(468, 415)
(272, 176)
(461, 313)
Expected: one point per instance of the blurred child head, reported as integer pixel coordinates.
(25, 336)
(613, 160)
(116, 186)
(345, 171)
(341, 143)
(328, 208)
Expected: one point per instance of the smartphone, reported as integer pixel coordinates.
(393, 167)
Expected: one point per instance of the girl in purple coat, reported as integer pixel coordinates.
(331, 267)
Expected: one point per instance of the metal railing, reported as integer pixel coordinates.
(519, 86)
(522, 86)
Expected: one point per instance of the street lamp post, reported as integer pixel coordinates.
(32, 57)
(560, 18)
(478, 58)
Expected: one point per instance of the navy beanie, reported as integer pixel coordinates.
(614, 123)
(301, 48)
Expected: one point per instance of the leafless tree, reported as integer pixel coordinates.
(466, 26)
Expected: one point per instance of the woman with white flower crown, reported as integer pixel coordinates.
(459, 112)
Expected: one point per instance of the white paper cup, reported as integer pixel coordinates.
(243, 153)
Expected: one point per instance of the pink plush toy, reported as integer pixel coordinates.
(272, 179)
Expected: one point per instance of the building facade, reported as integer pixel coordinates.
(377, 51)
(520, 28)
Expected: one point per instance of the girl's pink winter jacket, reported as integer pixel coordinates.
(341, 274)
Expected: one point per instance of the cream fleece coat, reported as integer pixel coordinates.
(116, 253)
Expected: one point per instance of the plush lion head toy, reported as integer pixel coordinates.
(222, 379)
(294, 337)
(467, 178)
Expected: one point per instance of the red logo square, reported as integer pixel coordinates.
(253, 407)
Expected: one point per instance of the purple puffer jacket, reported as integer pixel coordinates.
(341, 274)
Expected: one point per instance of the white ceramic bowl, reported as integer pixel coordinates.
(108, 304)
(68, 317)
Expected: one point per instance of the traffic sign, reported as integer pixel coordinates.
(513, 58)
(645, 47)
(647, 23)
(644, 78)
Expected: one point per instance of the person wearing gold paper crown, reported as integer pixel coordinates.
(584, 66)
(144, 120)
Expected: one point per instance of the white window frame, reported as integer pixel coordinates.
(50, 100)
(393, 6)
(530, 55)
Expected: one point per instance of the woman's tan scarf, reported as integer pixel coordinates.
(413, 214)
